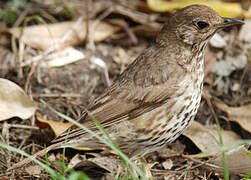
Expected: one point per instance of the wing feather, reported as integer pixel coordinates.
(136, 91)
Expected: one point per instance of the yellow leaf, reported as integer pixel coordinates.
(57, 127)
(225, 9)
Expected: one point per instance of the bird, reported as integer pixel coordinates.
(158, 95)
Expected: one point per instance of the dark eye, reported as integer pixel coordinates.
(202, 24)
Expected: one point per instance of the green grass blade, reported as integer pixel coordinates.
(111, 145)
(52, 172)
(78, 175)
(224, 159)
(225, 147)
(101, 129)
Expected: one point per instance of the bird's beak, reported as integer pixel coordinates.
(228, 22)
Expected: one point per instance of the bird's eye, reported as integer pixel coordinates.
(202, 24)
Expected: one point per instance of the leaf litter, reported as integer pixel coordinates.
(69, 85)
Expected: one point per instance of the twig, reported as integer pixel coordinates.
(38, 154)
(22, 126)
(92, 27)
(58, 95)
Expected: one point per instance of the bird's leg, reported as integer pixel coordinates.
(143, 164)
(147, 168)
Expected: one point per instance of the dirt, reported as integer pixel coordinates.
(70, 88)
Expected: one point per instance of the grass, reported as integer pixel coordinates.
(107, 141)
(224, 159)
(222, 146)
(76, 174)
(52, 172)
(248, 176)
(72, 174)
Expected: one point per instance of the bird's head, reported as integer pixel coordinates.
(194, 25)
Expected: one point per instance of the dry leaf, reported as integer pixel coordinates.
(63, 57)
(57, 127)
(34, 170)
(61, 34)
(206, 139)
(167, 164)
(240, 115)
(109, 164)
(225, 9)
(238, 161)
(14, 102)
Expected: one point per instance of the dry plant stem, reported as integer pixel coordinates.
(107, 79)
(183, 174)
(32, 70)
(22, 16)
(22, 126)
(92, 27)
(60, 88)
(38, 154)
(24, 141)
(131, 34)
(20, 58)
(209, 175)
(89, 34)
(58, 95)
(127, 29)
(7, 153)
(5, 131)
(147, 169)
(6, 136)
(185, 166)
(48, 16)
(136, 16)
(200, 162)
(224, 159)
(3, 140)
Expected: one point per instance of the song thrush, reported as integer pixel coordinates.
(158, 95)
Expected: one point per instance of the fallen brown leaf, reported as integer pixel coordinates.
(57, 127)
(109, 164)
(34, 170)
(206, 139)
(14, 102)
(63, 57)
(238, 161)
(240, 115)
(61, 34)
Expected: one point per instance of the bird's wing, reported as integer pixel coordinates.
(135, 92)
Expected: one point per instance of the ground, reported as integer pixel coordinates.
(71, 87)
